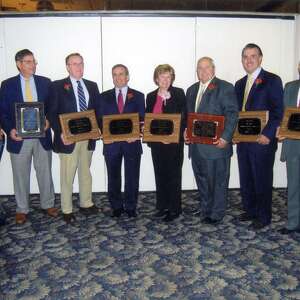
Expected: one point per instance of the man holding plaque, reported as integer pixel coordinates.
(259, 90)
(291, 155)
(211, 162)
(27, 88)
(70, 95)
(122, 100)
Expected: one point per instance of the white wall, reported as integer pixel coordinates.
(142, 43)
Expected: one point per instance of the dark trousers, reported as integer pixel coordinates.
(212, 178)
(132, 176)
(256, 180)
(167, 163)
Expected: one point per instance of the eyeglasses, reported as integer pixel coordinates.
(29, 62)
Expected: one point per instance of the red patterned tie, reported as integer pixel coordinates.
(120, 102)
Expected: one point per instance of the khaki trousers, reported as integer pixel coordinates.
(79, 159)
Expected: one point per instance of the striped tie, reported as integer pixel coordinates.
(81, 97)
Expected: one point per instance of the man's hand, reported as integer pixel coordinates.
(64, 141)
(186, 139)
(131, 140)
(279, 137)
(220, 143)
(13, 135)
(47, 124)
(263, 140)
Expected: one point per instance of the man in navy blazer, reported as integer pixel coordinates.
(258, 90)
(22, 88)
(122, 99)
(69, 95)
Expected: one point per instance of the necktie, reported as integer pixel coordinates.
(120, 101)
(28, 94)
(81, 97)
(247, 90)
(199, 96)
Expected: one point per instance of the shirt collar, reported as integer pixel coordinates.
(255, 74)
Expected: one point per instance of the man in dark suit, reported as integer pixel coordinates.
(122, 99)
(211, 163)
(27, 87)
(290, 153)
(69, 95)
(258, 90)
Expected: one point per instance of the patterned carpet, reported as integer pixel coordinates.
(104, 258)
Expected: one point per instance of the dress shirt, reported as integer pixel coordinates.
(124, 90)
(32, 88)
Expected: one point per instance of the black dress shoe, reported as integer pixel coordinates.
(69, 218)
(131, 213)
(258, 225)
(161, 213)
(117, 213)
(206, 220)
(244, 217)
(92, 210)
(286, 231)
(170, 217)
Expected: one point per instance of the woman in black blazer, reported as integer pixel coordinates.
(167, 158)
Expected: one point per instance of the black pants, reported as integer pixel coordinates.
(167, 162)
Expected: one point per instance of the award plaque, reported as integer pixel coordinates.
(121, 127)
(79, 126)
(250, 125)
(204, 128)
(162, 128)
(290, 125)
(30, 119)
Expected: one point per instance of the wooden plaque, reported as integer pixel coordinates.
(290, 125)
(79, 126)
(30, 119)
(162, 128)
(121, 127)
(250, 125)
(204, 128)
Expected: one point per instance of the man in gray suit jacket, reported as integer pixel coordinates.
(211, 163)
(290, 153)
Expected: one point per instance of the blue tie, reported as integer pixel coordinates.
(81, 97)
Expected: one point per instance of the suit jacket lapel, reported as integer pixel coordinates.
(19, 88)
(70, 93)
(256, 84)
(295, 91)
(39, 90)
(112, 99)
(207, 94)
(194, 96)
(152, 101)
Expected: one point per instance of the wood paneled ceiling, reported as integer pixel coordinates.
(284, 6)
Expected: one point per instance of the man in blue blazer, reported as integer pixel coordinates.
(22, 88)
(258, 90)
(211, 163)
(122, 99)
(69, 95)
(290, 153)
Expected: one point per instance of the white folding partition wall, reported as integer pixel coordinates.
(141, 43)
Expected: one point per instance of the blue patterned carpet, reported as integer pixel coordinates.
(104, 258)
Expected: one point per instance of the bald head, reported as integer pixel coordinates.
(205, 69)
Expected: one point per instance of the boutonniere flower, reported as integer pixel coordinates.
(67, 86)
(129, 95)
(212, 86)
(258, 81)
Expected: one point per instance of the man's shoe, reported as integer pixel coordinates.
(244, 217)
(206, 220)
(170, 217)
(69, 218)
(286, 231)
(161, 213)
(258, 225)
(117, 213)
(52, 212)
(20, 218)
(92, 210)
(131, 213)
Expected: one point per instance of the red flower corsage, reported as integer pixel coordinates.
(129, 95)
(258, 81)
(211, 86)
(67, 86)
